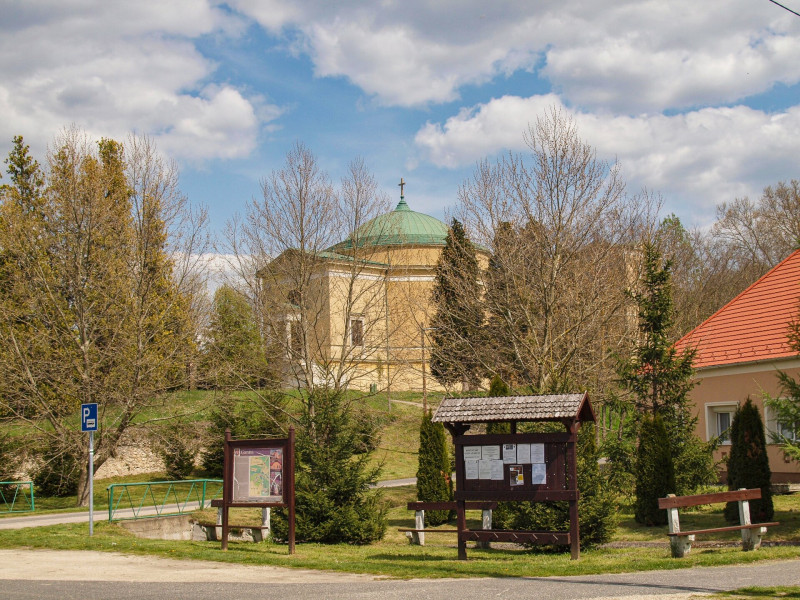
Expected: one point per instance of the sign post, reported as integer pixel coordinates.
(89, 423)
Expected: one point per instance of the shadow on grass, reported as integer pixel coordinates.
(760, 592)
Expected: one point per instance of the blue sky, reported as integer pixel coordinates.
(697, 101)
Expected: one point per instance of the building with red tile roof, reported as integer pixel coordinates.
(738, 351)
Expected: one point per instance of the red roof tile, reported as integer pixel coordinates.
(753, 326)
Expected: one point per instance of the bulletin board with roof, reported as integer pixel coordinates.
(532, 467)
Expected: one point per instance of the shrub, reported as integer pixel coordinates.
(245, 420)
(178, 449)
(334, 500)
(597, 513)
(748, 464)
(433, 475)
(58, 474)
(655, 476)
(498, 387)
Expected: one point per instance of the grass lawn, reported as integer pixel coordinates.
(395, 557)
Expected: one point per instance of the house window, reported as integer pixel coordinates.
(357, 332)
(719, 418)
(778, 429)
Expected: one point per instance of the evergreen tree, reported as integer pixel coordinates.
(235, 354)
(91, 306)
(335, 502)
(655, 474)
(748, 464)
(787, 405)
(434, 483)
(660, 380)
(498, 388)
(456, 325)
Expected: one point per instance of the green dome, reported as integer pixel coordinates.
(401, 226)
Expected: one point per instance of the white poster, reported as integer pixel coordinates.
(490, 453)
(471, 469)
(538, 474)
(509, 453)
(537, 453)
(472, 452)
(497, 470)
(523, 454)
(484, 469)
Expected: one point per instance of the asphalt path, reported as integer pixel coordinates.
(48, 574)
(40, 520)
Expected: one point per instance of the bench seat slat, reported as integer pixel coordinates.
(697, 500)
(722, 529)
(450, 505)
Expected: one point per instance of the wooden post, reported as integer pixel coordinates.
(227, 487)
(572, 456)
(462, 527)
(290, 489)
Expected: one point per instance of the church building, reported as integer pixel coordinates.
(360, 310)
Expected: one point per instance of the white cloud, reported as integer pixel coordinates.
(696, 160)
(626, 56)
(114, 67)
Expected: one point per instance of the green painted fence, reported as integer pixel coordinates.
(16, 496)
(160, 498)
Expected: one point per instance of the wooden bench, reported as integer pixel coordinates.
(416, 535)
(266, 526)
(681, 541)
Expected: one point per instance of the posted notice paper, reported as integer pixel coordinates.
(471, 469)
(509, 453)
(537, 453)
(490, 453)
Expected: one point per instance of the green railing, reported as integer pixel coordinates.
(160, 498)
(16, 496)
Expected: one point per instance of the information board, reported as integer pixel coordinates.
(258, 475)
(521, 464)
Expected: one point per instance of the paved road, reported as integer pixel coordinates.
(46, 574)
(40, 520)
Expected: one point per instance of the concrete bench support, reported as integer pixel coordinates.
(681, 542)
(417, 537)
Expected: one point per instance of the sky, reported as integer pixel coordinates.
(697, 101)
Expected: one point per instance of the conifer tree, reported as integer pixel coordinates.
(456, 325)
(748, 464)
(92, 305)
(660, 379)
(434, 483)
(336, 501)
(655, 474)
(498, 388)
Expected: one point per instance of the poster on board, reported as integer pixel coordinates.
(258, 475)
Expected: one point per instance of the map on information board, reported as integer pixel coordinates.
(258, 475)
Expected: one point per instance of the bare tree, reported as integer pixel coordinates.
(764, 233)
(563, 238)
(322, 306)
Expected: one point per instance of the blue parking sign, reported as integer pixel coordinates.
(89, 417)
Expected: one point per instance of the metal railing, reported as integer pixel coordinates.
(16, 496)
(160, 498)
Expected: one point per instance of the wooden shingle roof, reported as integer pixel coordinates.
(753, 326)
(554, 407)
